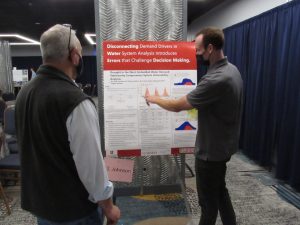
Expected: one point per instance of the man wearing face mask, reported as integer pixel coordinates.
(218, 98)
(63, 177)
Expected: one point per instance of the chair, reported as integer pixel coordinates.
(2, 108)
(10, 129)
(10, 164)
(9, 170)
(9, 96)
(9, 120)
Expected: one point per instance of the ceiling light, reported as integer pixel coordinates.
(90, 40)
(30, 41)
(22, 43)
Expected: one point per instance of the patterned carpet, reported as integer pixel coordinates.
(142, 208)
(254, 200)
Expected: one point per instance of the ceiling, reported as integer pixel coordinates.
(198, 8)
(32, 17)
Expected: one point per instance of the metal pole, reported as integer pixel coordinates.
(99, 75)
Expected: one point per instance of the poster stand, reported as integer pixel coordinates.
(152, 174)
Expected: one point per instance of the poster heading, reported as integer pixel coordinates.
(148, 55)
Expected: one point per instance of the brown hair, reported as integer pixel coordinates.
(212, 35)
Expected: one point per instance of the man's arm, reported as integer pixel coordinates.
(173, 105)
(111, 211)
(84, 137)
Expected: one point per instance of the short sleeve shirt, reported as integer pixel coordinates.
(218, 98)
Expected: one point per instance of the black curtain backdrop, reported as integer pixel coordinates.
(27, 63)
(266, 49)
(90, 69)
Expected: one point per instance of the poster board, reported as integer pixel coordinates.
(133, 70)
(20, 75)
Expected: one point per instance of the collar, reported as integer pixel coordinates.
(220, 63)
(53, 72)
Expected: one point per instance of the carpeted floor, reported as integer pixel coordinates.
(254, 200)
(165, 221)
(18, 216)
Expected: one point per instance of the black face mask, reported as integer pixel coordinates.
(201, 61)
(80, 68)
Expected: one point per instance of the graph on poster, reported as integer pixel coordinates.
(134, 70)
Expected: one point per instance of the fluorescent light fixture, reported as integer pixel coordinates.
(30, 41)
(90, 40)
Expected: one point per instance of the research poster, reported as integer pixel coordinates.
(133, 70)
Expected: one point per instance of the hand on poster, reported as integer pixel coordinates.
(151, 99)
(147, 102)
(157, 95)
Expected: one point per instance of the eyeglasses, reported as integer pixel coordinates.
(69, 26)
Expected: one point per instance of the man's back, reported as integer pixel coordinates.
(48, 169)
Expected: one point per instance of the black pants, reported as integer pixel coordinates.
(212, 193)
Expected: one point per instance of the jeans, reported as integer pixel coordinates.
(212, 193)
(93, 219)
